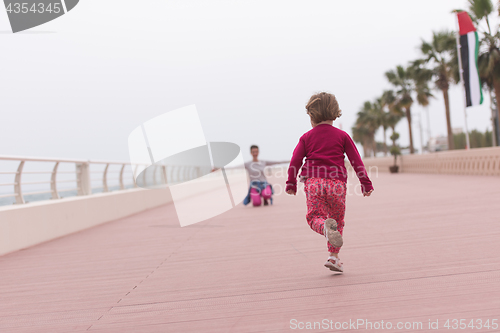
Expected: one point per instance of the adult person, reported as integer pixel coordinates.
(259, 186)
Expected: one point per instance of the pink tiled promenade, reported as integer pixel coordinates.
(423, 247)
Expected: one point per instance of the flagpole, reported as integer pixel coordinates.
(461, 72)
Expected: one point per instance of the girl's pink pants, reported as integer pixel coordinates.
(325, 199)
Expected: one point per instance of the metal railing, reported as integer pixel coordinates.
(85, 178)
(82, 177)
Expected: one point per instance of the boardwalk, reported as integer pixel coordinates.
(423, 247)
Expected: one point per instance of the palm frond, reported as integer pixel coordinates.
(480, 8)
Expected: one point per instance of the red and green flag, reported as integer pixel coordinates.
(469, 51)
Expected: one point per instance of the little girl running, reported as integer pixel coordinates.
(324, 173)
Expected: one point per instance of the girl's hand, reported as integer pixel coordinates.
(367, 194)
(291, 192)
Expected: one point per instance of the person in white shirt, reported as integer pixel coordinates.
(259, 187)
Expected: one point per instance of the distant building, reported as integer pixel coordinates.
(439, 143)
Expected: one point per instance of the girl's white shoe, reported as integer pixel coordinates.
(331, 233)
(334, 264)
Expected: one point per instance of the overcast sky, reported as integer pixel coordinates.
(77, 86)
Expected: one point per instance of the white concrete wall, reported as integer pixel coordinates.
(477, 161)
(26, 225)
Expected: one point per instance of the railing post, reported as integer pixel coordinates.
(135, 174)
(164, 172)
(179, 169)
(105, 179)
(83, 178)
(184, 173)
(122, 187)
(154, 175)
(438, 163)
(17, 184)
(53, 184)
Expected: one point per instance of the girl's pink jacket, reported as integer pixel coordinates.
(324, 147)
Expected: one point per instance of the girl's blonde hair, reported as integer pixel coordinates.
(323, 106)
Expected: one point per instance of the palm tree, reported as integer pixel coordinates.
(489, 59)
(403, 80)
(488, 81)
(360, 135)
(383, 119)
(365, 127)
(393, 114)
(423, 76)
(479, 9)
(441, 55)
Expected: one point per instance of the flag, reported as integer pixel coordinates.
(469, 51)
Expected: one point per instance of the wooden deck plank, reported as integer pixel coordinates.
(422, 247)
